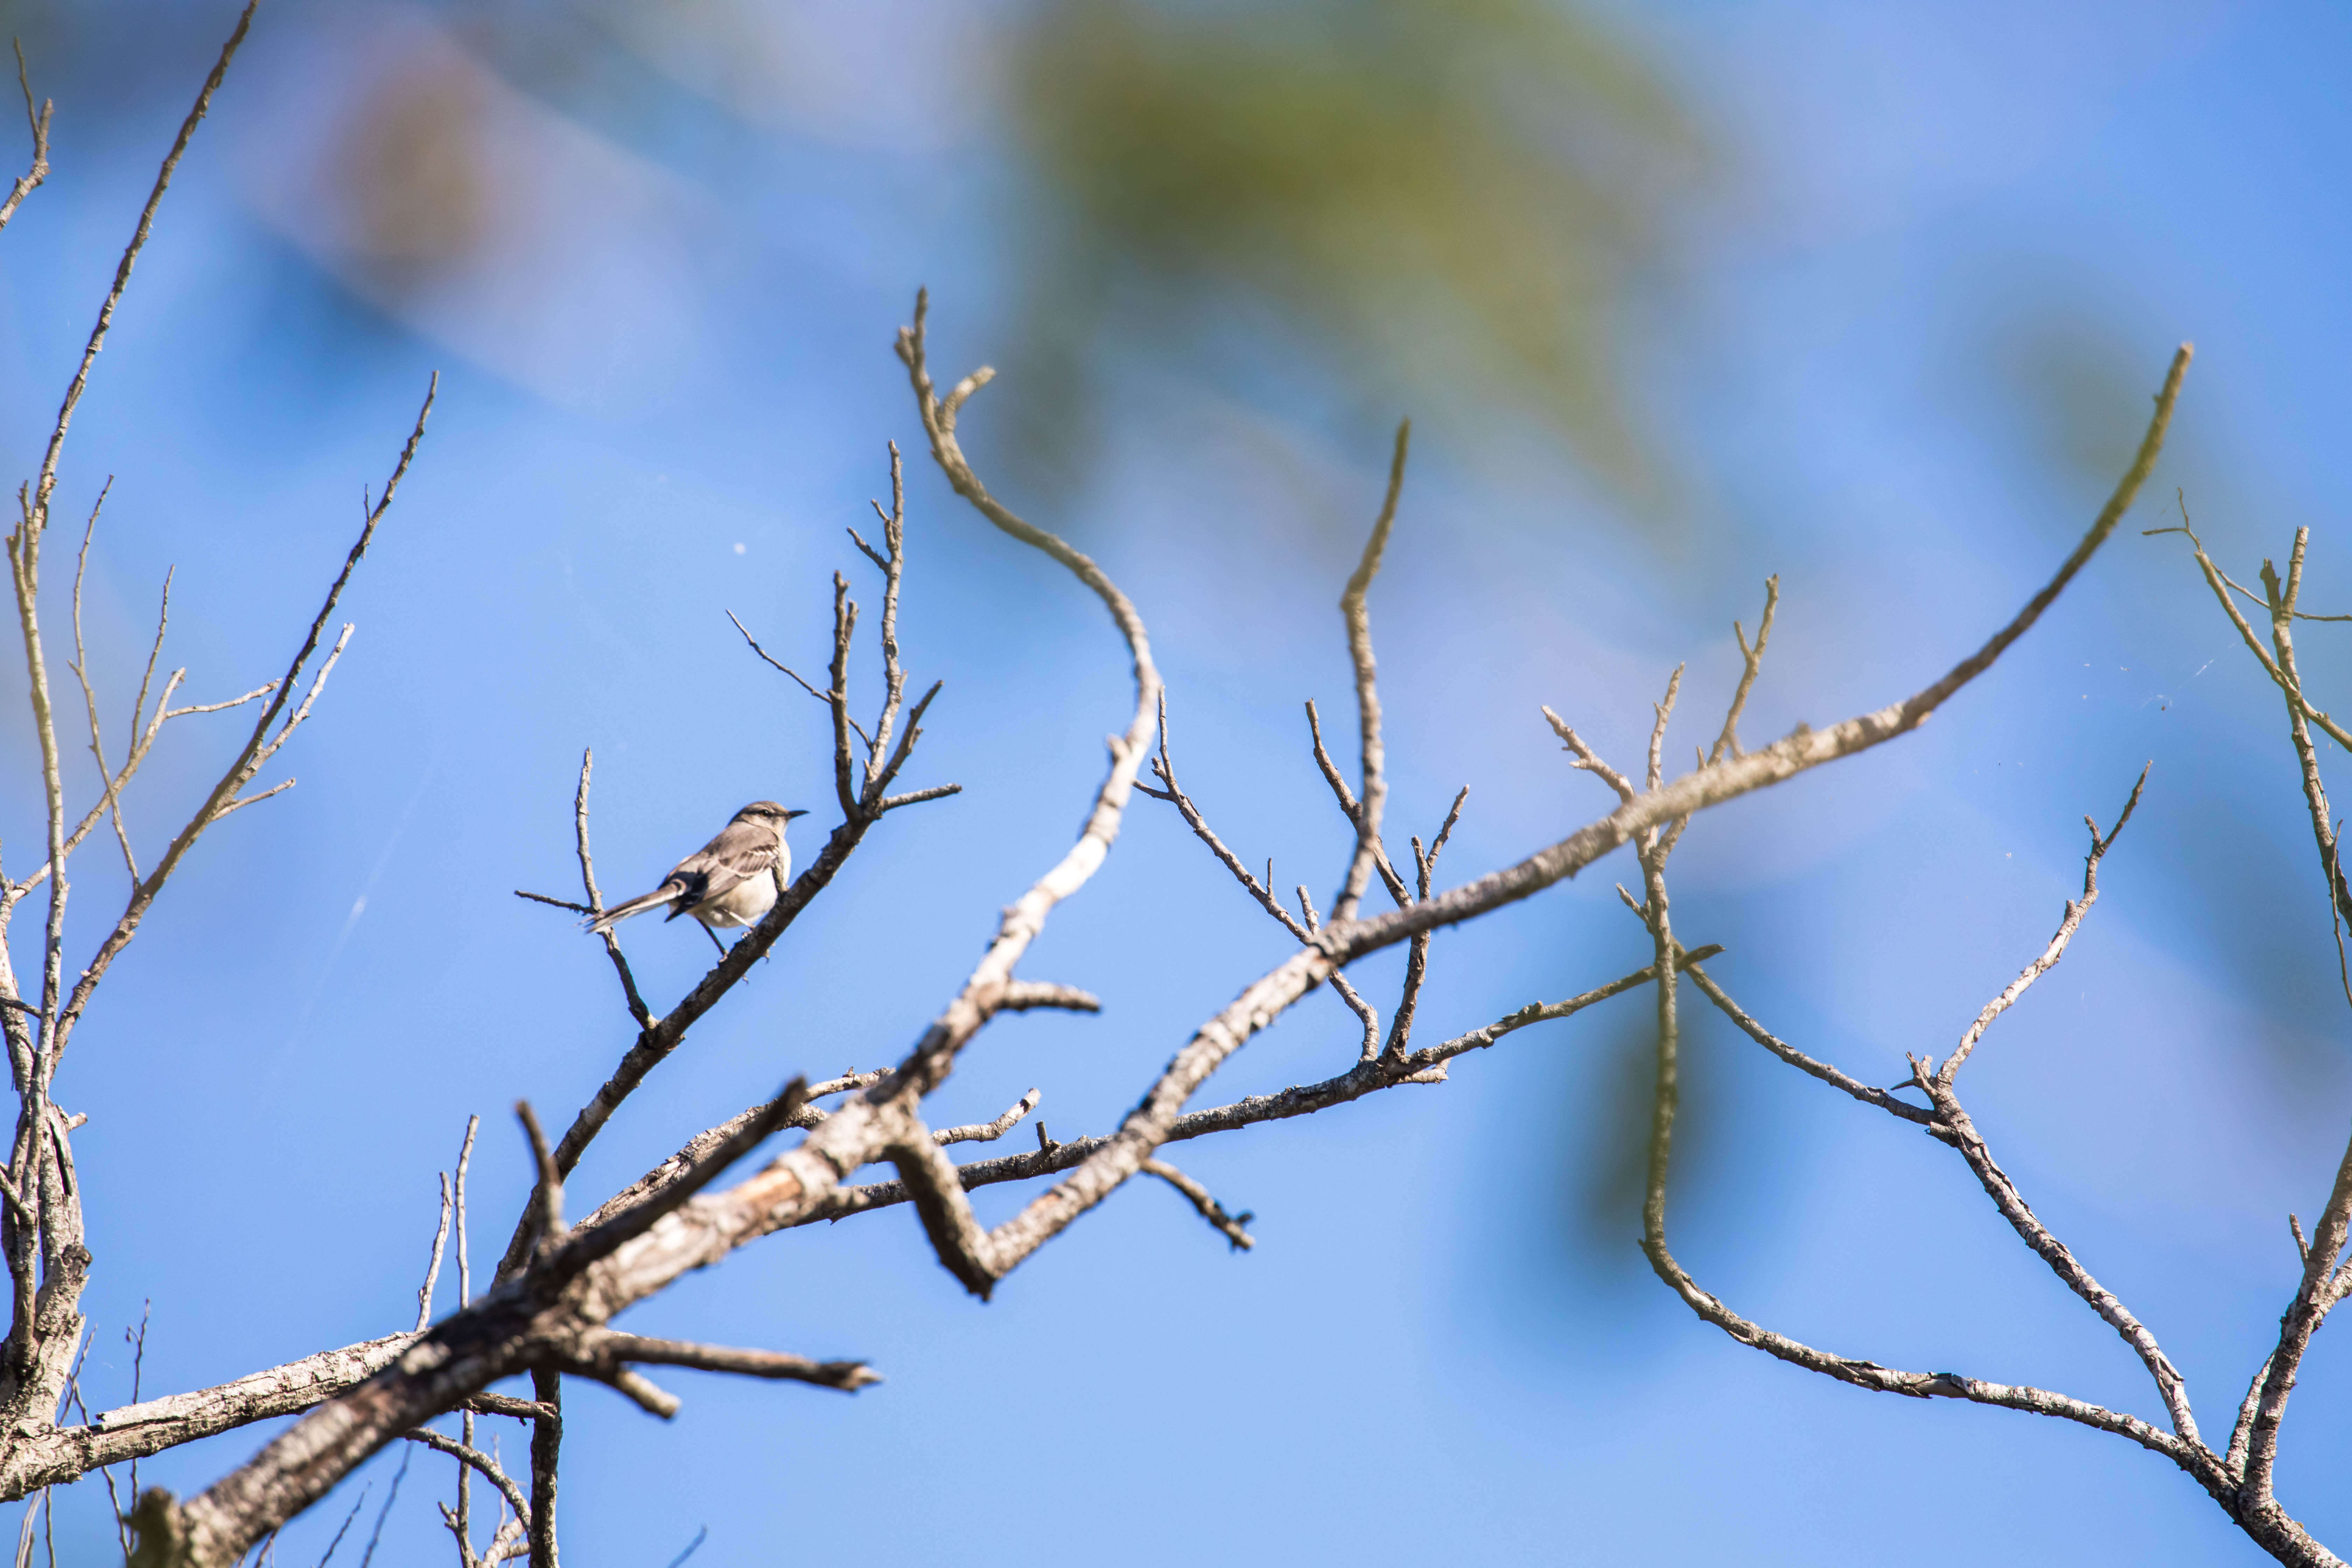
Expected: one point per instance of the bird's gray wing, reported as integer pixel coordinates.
(741, 851)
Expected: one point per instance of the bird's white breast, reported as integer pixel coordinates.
(741, 904)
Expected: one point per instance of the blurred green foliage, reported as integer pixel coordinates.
(1442, 201)
(1366, 207)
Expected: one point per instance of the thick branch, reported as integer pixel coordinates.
(135, 1431)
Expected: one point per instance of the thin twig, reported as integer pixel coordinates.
(1726, 744)
(390, 1497)
(892, 562)
(1587, 760)
(433, 1269)
(39, 170)
(548, 1200)
(2316, 1293)
(1416, 961)
(38, 512)
(89, 698)
(349, 1519)
(2221, 583)
(2056, 948)
(763, 653)
(558, 903)
(469, 1458)
(1164, 768)
(1374, 800)
(260, 744)
(607, 1348)
(637, 1003)
(989, 1131)
(1233, 1227)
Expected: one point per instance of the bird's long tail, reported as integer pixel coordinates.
(656, 899)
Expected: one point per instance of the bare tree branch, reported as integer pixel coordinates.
(1422, 1067)
(658, 1036)
(849, 1376)
(2220, 583)
(1025, 995)
(1416, 961)
(2315, 1292)
(475, 1458)
(2061, 1262)
(772, 663)
(547, 1197)
(260, 744)
(637, 1003)
(80, 667)
(1164, 768)
(134, 1431)
(990, 1132)
(1232, 1227)
(1374, 798)
(2056, 950)
(433, 1269)
(1882, 1098)
(1726, 743)
(39, 170)
(36, 511)
(892, 559)
(546, 1451)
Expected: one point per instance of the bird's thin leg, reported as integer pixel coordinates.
(714, 939)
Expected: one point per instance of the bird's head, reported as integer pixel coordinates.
(769, 812)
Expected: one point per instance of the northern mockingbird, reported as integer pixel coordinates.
(730, 881)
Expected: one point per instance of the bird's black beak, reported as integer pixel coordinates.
(790, 815)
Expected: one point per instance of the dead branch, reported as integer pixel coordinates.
(1373, 799)
(2056, 950)
(39, 170)
(990, 1132)
(1232, 1227)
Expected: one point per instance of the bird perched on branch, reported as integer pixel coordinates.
(730, 881)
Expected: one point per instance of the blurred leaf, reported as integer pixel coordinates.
(2076, 373)
(1605, 1171)
(1439, 206)
(1444, 204)
(409, 176)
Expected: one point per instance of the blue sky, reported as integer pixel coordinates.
(671, 397)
